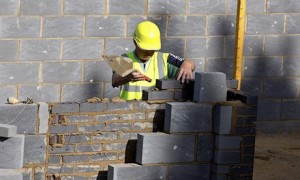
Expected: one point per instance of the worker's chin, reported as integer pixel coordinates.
(146, 58)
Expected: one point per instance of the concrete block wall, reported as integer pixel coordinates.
(51, 50)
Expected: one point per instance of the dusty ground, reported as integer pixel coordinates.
(277, 157)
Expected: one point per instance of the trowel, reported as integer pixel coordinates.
(121, 65)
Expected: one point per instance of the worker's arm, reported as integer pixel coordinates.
(186, 70)
(118, 80)
(186, 67)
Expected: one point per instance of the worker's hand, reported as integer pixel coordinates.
(186, 71)
(136, 75)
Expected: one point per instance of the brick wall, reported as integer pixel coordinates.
(51, 50)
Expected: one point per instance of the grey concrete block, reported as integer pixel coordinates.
(244, 121)
(19, 27)
(91, 128)
(205, 147)
(127, 7)
(40, 50)
(290, 110)
(35, 149)
(292, 24)
(227, 142)
(206, 7)
(9, 7)
(241, 169)
(115, 46)
(230, 46)
(60, 108)
(183, 95)
(232, 83)
(22, 116)
(40, 93)
(291, 66)
(268, 110)
(173, 45)
(110, 92)
(60, 169)
(70, 139)
(226, 157)
(87, 7)
(132, 171)
(12, 152)
(279, 6)
(142, 105)
(157, 95)
(253, 45)
(82, 49)
(63, 129)
(87, 168)
(7, 131)
(43, 114)
(281, 88)
(120, 106)
(252, 86)
(92, 107)
(190, 172)
(8, 50)
(119, 126)
(160, 21)
(248, 150)
(173, 84)
(162, 7)
(79, 118)
(196, 24)
(222, 119)
(80, 92)
(89, 148)
(246, 98)
(249, 111)
(210, 87)
(164, 148)
(54, 159)
(7, 91)
(223, 65)
(187, 117)
(104, 157)
(75, 159)
(221, 25)
(205, 47)
(62, 72)
(67, 26)
(45, 7)
(133, 116)
(248, 140)
(265, 24)
(63, 149)
(273, 45)
(262, 67)
(254, 6)
(107, 117)
(19, 73)
(97, 71)
(104, 136)
(105, 26)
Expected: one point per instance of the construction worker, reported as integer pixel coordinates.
(147, 60)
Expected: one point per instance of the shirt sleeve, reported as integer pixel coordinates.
(175, 60)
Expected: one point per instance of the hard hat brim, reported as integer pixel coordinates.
(144, 46)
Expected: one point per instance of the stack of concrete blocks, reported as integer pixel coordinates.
(23, 141)
(201, 140)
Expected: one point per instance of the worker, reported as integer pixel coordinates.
(147, 60)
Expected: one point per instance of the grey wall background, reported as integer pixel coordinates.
(50, 50)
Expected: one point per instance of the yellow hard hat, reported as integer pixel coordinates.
(147, 36)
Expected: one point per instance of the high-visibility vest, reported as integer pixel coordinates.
(157, 69)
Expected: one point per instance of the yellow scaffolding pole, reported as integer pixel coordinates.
(239, 41)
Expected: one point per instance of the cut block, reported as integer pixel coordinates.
(132, 171)
(7, 130)
(222, 119)
(189, 172)
(187, 117)
(227, 157)
(157, 95)
(164, 148)
(210, 87)
(228, 142)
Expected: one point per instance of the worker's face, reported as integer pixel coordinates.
(144, 55)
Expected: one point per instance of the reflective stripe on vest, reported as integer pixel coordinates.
(156, 70)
